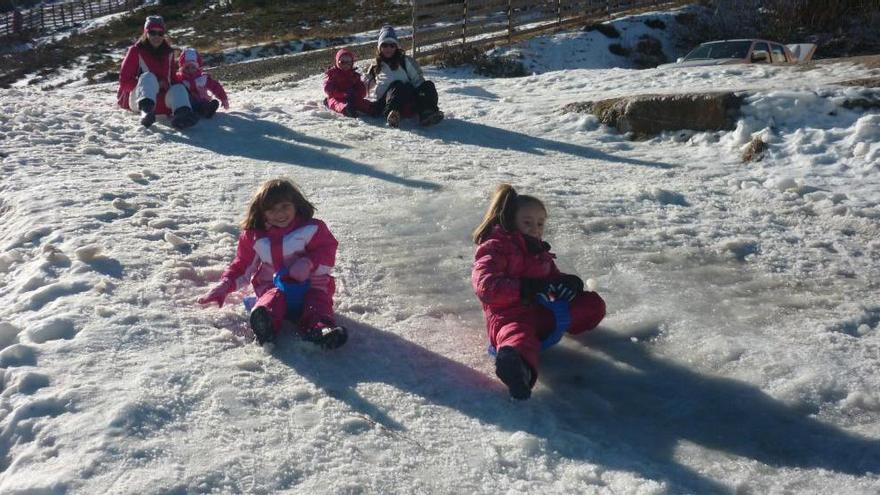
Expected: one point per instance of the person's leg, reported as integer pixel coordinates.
(516, 361)
(426, 98)
(147, 88)
(318, 323)
(177, 100)
(268, 315)
(337, 106)
(586, 310)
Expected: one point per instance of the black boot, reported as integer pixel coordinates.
(514, 372)
(261, 324)
(147, 108)
(209, 109)
(329, 337)
(184, 117)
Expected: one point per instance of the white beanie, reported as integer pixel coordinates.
(387, 35)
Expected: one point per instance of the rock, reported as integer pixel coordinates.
(648, 115)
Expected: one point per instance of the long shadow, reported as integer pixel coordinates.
(464, 132)
(653, 406)
(657, 404)
(235, 134)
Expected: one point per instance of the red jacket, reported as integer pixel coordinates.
(501, 261)
(344, 85)
(201, 86)
(261, 253)
(142, 58)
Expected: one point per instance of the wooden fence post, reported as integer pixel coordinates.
(464, 24)
(509, 21)
(558, 14)
(415, 47)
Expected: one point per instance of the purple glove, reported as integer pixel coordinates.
(217, 294)
(300, 270)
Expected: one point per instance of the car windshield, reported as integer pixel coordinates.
(721, 49)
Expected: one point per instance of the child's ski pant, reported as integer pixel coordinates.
(317, 308)
(523, 328)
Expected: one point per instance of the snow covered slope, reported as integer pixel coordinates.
(740, 352)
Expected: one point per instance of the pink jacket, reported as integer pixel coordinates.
(344, 85)
(501, 261)
(140, 58)
(201, 86)
(262, 253)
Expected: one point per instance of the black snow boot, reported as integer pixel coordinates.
(514, 372)
(261, 324)
(209, 109)
(430, 117)
(184, 117)
(147, 108)
(329, 337)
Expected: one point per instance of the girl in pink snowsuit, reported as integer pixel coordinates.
(344, 88)
(280, 236)
(206, 94)
(513, 268)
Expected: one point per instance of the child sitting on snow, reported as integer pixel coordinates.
(344, 88)
(281, 239)
(513, 270)
(200, 85)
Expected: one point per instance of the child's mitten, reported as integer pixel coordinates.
(300, 269)
(218, 293)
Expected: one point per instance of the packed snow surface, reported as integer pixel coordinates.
(740, 353)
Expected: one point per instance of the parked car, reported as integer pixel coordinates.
(745, 52)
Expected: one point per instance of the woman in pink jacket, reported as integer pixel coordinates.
(514, 268)
(146, 79)
(281, 238)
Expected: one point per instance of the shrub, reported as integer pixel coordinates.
(655, 24)
(607, 29)
(618, 49)
(486, 65)
(649, 53)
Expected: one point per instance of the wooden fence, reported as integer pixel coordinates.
(440, 22)
(46, 17)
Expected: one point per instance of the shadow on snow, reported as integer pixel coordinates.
(472, 133)
(235, 134)
(650, 406)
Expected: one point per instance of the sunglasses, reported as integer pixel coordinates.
(156, 33)
(346, 61)
(387, 45)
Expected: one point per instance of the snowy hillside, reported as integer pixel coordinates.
(740, 353)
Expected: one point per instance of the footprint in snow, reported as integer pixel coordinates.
(143, 177)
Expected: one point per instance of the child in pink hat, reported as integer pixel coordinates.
(205, 93)
(344, 88)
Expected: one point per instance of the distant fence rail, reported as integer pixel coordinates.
(50, 16)
(440, 22)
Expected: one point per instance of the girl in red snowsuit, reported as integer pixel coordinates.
(513, 267)
(279, 236)
(344, 88)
